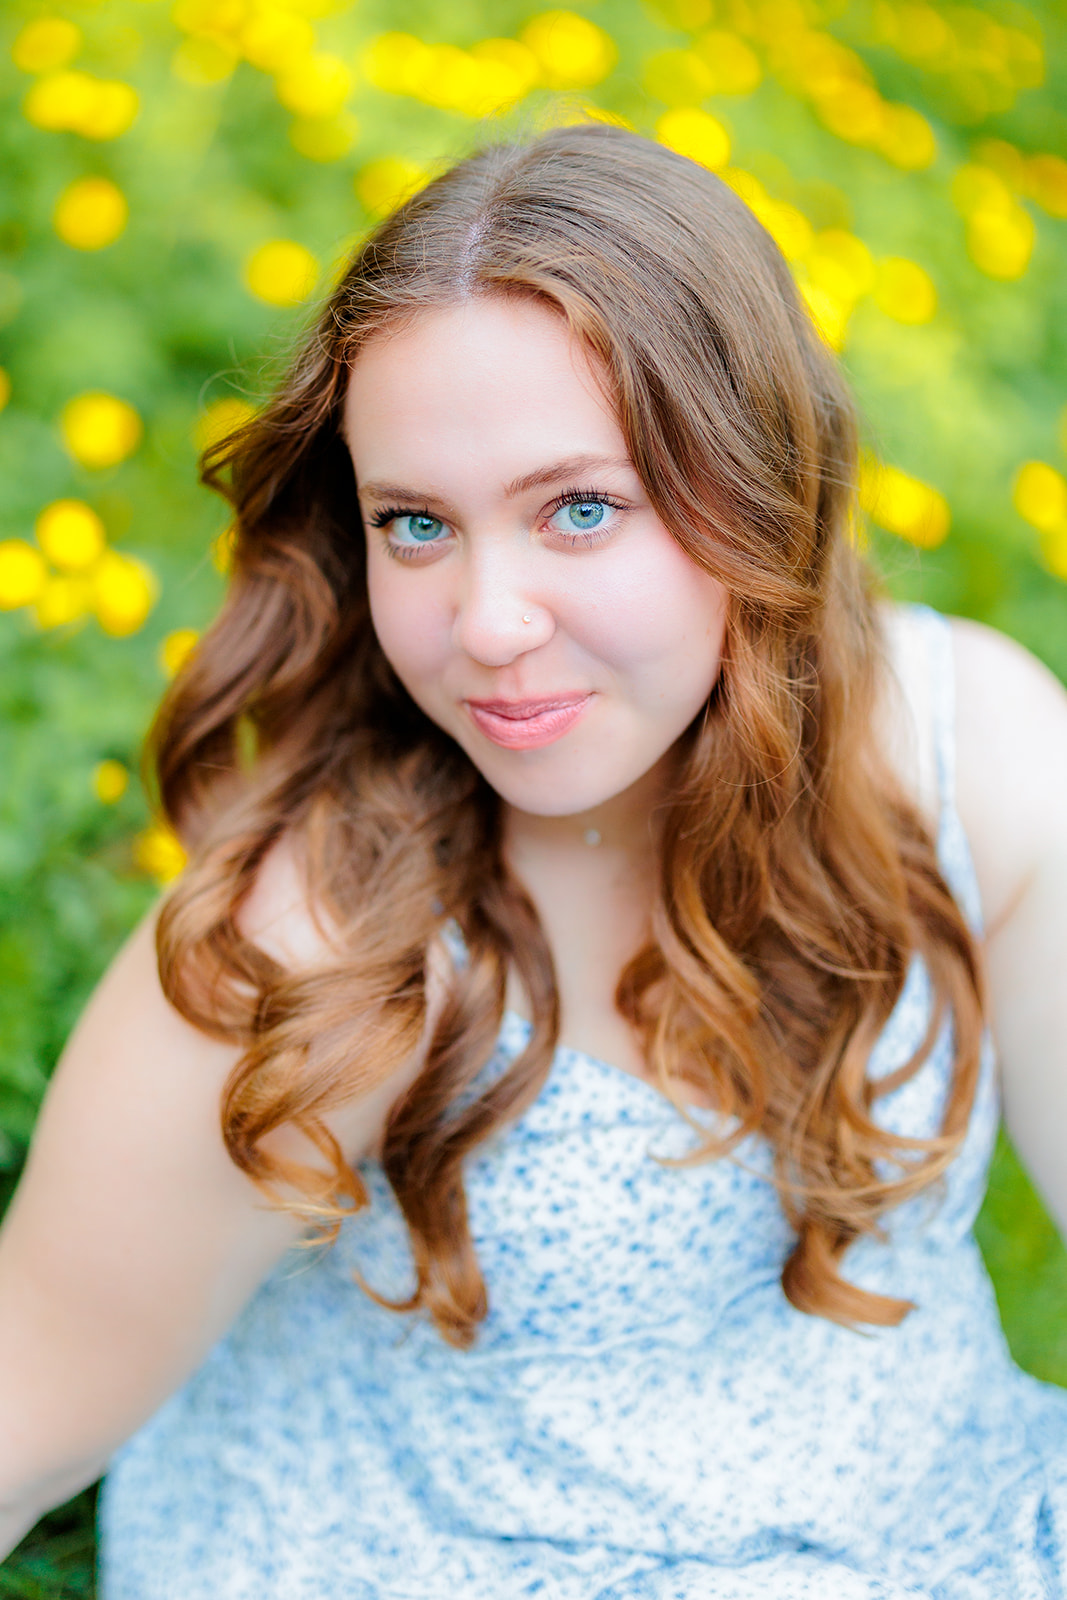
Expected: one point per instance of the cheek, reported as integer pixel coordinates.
(657, 614)
(405, 616)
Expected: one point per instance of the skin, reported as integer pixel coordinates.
(444, 421)
(133, 1241)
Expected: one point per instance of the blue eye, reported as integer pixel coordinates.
(578, 512)
(587, 514)
(423, 529)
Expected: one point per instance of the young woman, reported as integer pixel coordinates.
(585, 887)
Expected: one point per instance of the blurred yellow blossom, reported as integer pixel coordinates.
(1054, 550)
(840, 264)
(514, 59)
(904, 290)
(281, 272)
(76, 102)
(906, 138)
(62, 600)
(384, 184)
(90, 213)
(124, 592)
(110, 781)
(202, 62)
(99, 430)
(1001, 242)
(220, 418)
(396, 62)
(903, 505)
(1040, 496)
(218, 19)
(176, 648)
(788, 227)
(1046, 181)
(158, 851)
(324, 138)
(222, 550)
(71, 535)
(677, 77)
(829, 311)
(23, 574)
(696, 134)
(5, 388)
(572, 51)
(315, 85)
(45, 44)
(733, 64)
(272, 39)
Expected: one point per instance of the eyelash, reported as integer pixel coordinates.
(569, 497)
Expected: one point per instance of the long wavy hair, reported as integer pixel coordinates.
(796, 881)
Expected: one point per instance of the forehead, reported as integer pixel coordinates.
(489, 377)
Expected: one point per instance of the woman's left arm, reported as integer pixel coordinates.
(1011, 725)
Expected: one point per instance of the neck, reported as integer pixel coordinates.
(625, 825)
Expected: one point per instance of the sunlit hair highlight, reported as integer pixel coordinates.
(796, 880)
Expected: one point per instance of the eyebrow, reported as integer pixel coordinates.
(569, 467)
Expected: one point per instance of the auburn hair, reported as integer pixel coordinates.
(796, 879)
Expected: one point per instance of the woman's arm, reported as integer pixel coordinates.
(1011, 716)
(133, 1241)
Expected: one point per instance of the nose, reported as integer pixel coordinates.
(499, 616)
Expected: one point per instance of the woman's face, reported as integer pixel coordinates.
(522, 587)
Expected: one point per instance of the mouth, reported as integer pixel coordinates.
(527, 724)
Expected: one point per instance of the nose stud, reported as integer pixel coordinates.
(527, 619)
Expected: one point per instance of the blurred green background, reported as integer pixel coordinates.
(178, 184)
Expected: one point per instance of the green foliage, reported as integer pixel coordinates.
(930, 242)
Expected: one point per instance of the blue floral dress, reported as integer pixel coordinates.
(644, 1415)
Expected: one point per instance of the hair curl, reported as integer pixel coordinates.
(796, 879)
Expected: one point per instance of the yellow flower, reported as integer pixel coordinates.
(281, 272)
(854, 111)
(220, 418)
(176, 648)
(273, 39)
(159, 852)
(202, 62)
(222, 550)
(211, 19)
(904, 505)
(1040, 496)
(677, 77)
(840, 264)
(61, 601)
(788, 227)
(1001, 242)
(324, 138)
(100, 430)
(45, 44)
(1047, 182)
(386, 183)
(23, 574)
(696, 134)
(829, 312)
(71, 535)
(90, 213)
(517, 61)
(316, 86)
(97, 108)
(396, 62)
(110, 781)
(906, 138)
(572, 51)
(5, 388)
(904, 291)
(124, 591)
(734, 67)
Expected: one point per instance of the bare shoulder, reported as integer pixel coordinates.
(1011, 744)
(278, 913)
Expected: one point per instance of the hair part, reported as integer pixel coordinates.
(796, 880)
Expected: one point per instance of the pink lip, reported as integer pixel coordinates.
(527, 724)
